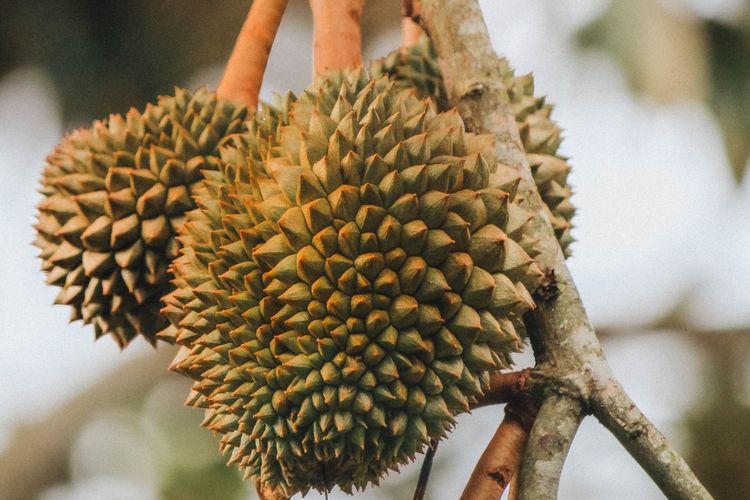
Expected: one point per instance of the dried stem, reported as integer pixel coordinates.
(565, 345)
(411, 32)
(337, 34)
(244, 72)
(501, 459)
(424, 472)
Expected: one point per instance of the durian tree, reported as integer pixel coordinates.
(347, 270)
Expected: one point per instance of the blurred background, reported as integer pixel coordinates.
(654, 96)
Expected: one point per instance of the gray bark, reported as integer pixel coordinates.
(567, 350)
(554, 429)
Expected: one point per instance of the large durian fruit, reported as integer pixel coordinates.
(345, 291)
(114, 197)
(417, 67)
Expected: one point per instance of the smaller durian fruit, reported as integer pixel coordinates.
(115, 195)
(417, 68)
(344, 293)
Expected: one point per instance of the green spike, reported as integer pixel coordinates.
(297, 295)
(414, 237)
(344, 202)
(432, 287)
(435, 409)
(405, 208)
(478, 357)
(293, 225)
(403, 311)
(479, 289)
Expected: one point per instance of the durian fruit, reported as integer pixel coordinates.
(114, 197)
(347, 285)
(417, 67)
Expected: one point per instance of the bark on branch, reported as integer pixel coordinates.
(564, 342)
(614, 409)
(555, 426)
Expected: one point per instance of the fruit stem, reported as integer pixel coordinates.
(247, 63)
(424, 472)
(501, 460)
(337, 35)
(411, 31)
(504, 387)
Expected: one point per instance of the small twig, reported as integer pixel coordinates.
(504, 387)
(244, 72)
(424, 472)
(411, 9)
(411, 32)
(337, 34)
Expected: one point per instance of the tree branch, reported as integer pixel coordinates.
(243, 75)
(337, 34)
(617, 412)
(555, 426)
(565, 345)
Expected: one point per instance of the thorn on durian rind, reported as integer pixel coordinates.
(417, 68)
(351, 305)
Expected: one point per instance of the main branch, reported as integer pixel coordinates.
(566, 347)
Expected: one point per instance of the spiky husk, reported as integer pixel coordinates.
(417, 67)
(345, 292)
(114, 197)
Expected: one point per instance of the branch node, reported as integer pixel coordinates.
(500, 476)
(475, 89)
(548, 290)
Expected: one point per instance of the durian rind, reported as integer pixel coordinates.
(114, 197)
(417, 67)
(348, 282)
